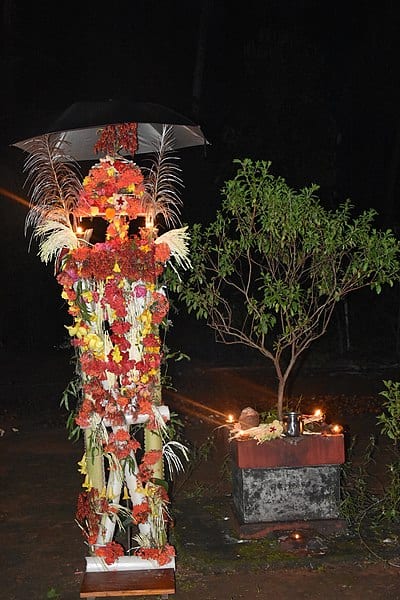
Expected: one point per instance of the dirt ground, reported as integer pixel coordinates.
(42, 551)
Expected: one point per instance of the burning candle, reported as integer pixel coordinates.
(230, 419)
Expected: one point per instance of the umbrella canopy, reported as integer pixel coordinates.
(77, 127)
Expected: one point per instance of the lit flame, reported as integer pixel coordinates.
(318, 413)
(230, 419)
(336, 429)
(149, 220)
(79, 230)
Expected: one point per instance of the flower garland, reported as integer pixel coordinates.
(113, 138)
(117, 305)
(114, 186)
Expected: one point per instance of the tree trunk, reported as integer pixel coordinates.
(281, 395)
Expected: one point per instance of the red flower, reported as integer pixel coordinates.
(151, 457)
(160, 555)
(121, 444)
(120, 327)
(162, 252)
(140, 512)
(110, 552)
(114, 137)
(159, 307)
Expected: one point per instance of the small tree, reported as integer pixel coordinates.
(269, 270)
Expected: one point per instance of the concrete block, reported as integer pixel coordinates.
(286, 494)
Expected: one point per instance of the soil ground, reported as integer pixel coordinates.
(42, 551)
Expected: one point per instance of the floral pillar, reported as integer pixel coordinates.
(117, 304)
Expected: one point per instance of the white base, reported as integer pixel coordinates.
(124, 563)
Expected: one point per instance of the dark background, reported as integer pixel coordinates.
(311, 86)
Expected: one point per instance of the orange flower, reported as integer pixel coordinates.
(110, 552)
(162, 252)
(151, 457)
(110, 213)
(140, 512)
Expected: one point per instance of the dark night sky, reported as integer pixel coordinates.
(312, 86)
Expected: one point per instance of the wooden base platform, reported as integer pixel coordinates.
(150, 582)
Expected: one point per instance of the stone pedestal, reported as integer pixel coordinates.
(287, 479)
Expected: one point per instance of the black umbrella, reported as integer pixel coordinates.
(78, 126)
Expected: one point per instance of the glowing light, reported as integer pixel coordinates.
(336, 429)
(229, 419)
(79, 230)
(149, 220)
(14, 197)
(318, 412)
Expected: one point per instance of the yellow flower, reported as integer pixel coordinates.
(144, 378)
(83, 465)
(94, 211)
(126, 495)
(87, 296)
(116, 268)
(145, 317)
(116, 355)
(87, 484)
(94, 342)
(153, 350)
(77, 330)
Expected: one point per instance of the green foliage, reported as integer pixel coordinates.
(361, 504)
(269, 270)
(166, 357)
(70, 399)
(357, 499)
(175, 428)
(268, 415)
(389, 420)
(199, 453)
